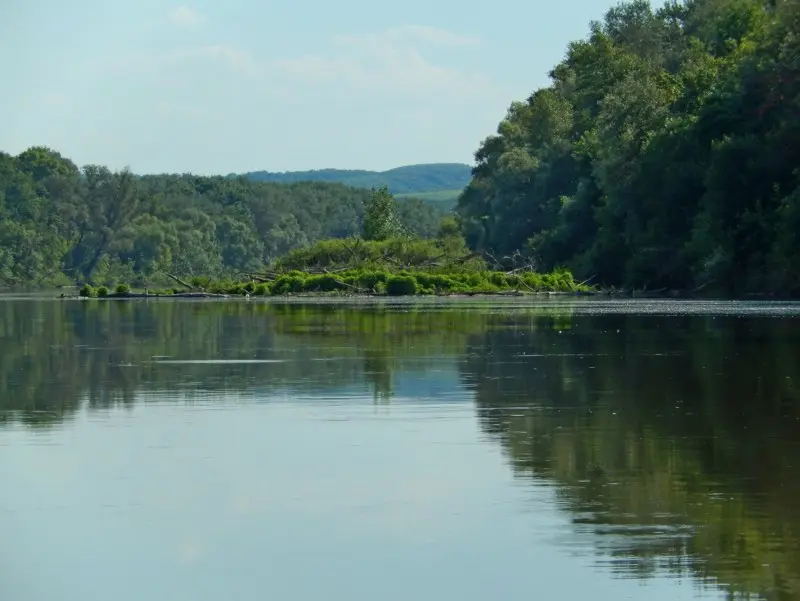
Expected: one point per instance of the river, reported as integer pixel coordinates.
(501, 449)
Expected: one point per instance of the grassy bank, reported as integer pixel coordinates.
(362, 282)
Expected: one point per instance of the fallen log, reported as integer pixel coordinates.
(180, 281)
(346, 285)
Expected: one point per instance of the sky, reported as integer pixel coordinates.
(214, 87)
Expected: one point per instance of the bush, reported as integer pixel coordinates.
(371, 254)
(289, 283)
(102, 292)
(401, 285)
(87, 291)
(123, 289)
(372, 280)
(438, 283)
(499, 280)
(200, 282)
(322, 283)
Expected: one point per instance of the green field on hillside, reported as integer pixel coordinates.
(445, 199)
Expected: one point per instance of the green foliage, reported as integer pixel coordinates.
(448, 228)
(380, 216)
(200, 282)
(288, 284)
(661, 156)
(443, 199)
(87, 291)
(401, 285)
(122, 289)
(61, 224)
(446, 253)
(102, 292)
(412, 179)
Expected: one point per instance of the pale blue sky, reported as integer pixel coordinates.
(216, 87)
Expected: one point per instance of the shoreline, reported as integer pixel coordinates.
(320, 295)
(456, 296)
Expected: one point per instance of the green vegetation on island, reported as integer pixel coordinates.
(385, 260)
(663, 155)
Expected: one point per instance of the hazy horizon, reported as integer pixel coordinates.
(211, 89)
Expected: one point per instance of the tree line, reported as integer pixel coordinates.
(62, 224)
(663, 155)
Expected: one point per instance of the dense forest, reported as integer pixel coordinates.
(63, 224)
(411, 179)
(664, 154)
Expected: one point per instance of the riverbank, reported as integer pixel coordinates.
(355, 282)
(244, 291)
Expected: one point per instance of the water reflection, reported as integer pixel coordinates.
(671, 441)
(675, 441)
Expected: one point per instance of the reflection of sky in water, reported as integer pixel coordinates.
(286, 500)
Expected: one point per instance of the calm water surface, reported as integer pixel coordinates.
(199, 451)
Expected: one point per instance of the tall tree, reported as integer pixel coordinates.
(380, 216)
(112, 200)
(661, 156)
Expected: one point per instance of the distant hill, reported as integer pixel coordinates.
(411, 180)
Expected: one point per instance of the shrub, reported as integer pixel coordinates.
(498, 279)
(401, 285)
(322, 283)
(288, 283)
(534, 281)
(200, 282)
(123, 289)
(102, 292)
(372, 280)
(397, 283)
(371, 254)
(87, 291)
(438, 282)
(222, 287)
